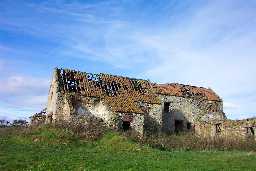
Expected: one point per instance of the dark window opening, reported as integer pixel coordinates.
(126, 125)
(51, 95)
(189, 126)
(96, 101)
(250, 130)
(178, 126)
(166, 107)
(217, 128)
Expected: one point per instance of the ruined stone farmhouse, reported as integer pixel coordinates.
(134, 104)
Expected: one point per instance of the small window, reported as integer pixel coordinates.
(217, 128)
(250, 131)
(178, 126)
(166, 107)
(96, 101)
(189, 126)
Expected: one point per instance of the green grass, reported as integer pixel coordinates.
(55, 149)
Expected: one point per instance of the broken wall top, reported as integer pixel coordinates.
(233, 123)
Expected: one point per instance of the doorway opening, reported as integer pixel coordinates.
(218, 128)
(167, 107)
(178, 126)
(126, 125)
(250, 131)
(189, 126)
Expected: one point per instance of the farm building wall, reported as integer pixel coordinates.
(184, 112)
(128, 103)
(227, 128)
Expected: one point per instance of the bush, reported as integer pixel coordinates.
(19, 123)
(4, 123)
(81, 127)
(38, 118)
(87, 127)
(189, 141)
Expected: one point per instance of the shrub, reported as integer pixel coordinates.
(4, 123)
(84, 126)
(189, 141)
(19, 123)
(38, 118)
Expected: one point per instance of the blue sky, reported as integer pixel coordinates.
(203, 43)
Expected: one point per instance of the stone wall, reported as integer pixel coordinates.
(57, 106)
(194, 109)
(137, 123)
(227, 128)
(112, 97)
(189, 111)
(104, 96)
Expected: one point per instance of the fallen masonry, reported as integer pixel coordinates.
(139, 105)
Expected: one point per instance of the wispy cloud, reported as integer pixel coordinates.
(20, 84)
(214, 48)
(21, 96)
(205, 43)
(11, 112)
(1, 64)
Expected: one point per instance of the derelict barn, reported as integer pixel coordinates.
(127, 103)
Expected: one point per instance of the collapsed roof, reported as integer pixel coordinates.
(174, 89)
(123, 94)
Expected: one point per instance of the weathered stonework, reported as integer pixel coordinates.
(188, 111)
(127, 103)
(138, 123)
(228, 128)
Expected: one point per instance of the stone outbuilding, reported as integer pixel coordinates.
(131, 104)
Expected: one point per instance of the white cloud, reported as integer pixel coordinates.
(1, 64)
(36, 101)
(14, 112)
(18, 84)
(213, 47)
(22, 96)
(230, 105)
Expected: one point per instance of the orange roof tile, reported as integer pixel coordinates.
(174, 89)
(124, 94)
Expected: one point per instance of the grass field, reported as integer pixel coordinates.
(55, 149)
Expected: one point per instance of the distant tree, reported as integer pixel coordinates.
(19, 122)
(4, 123)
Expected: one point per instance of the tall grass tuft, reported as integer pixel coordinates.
(84, 127)
(190, 141)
